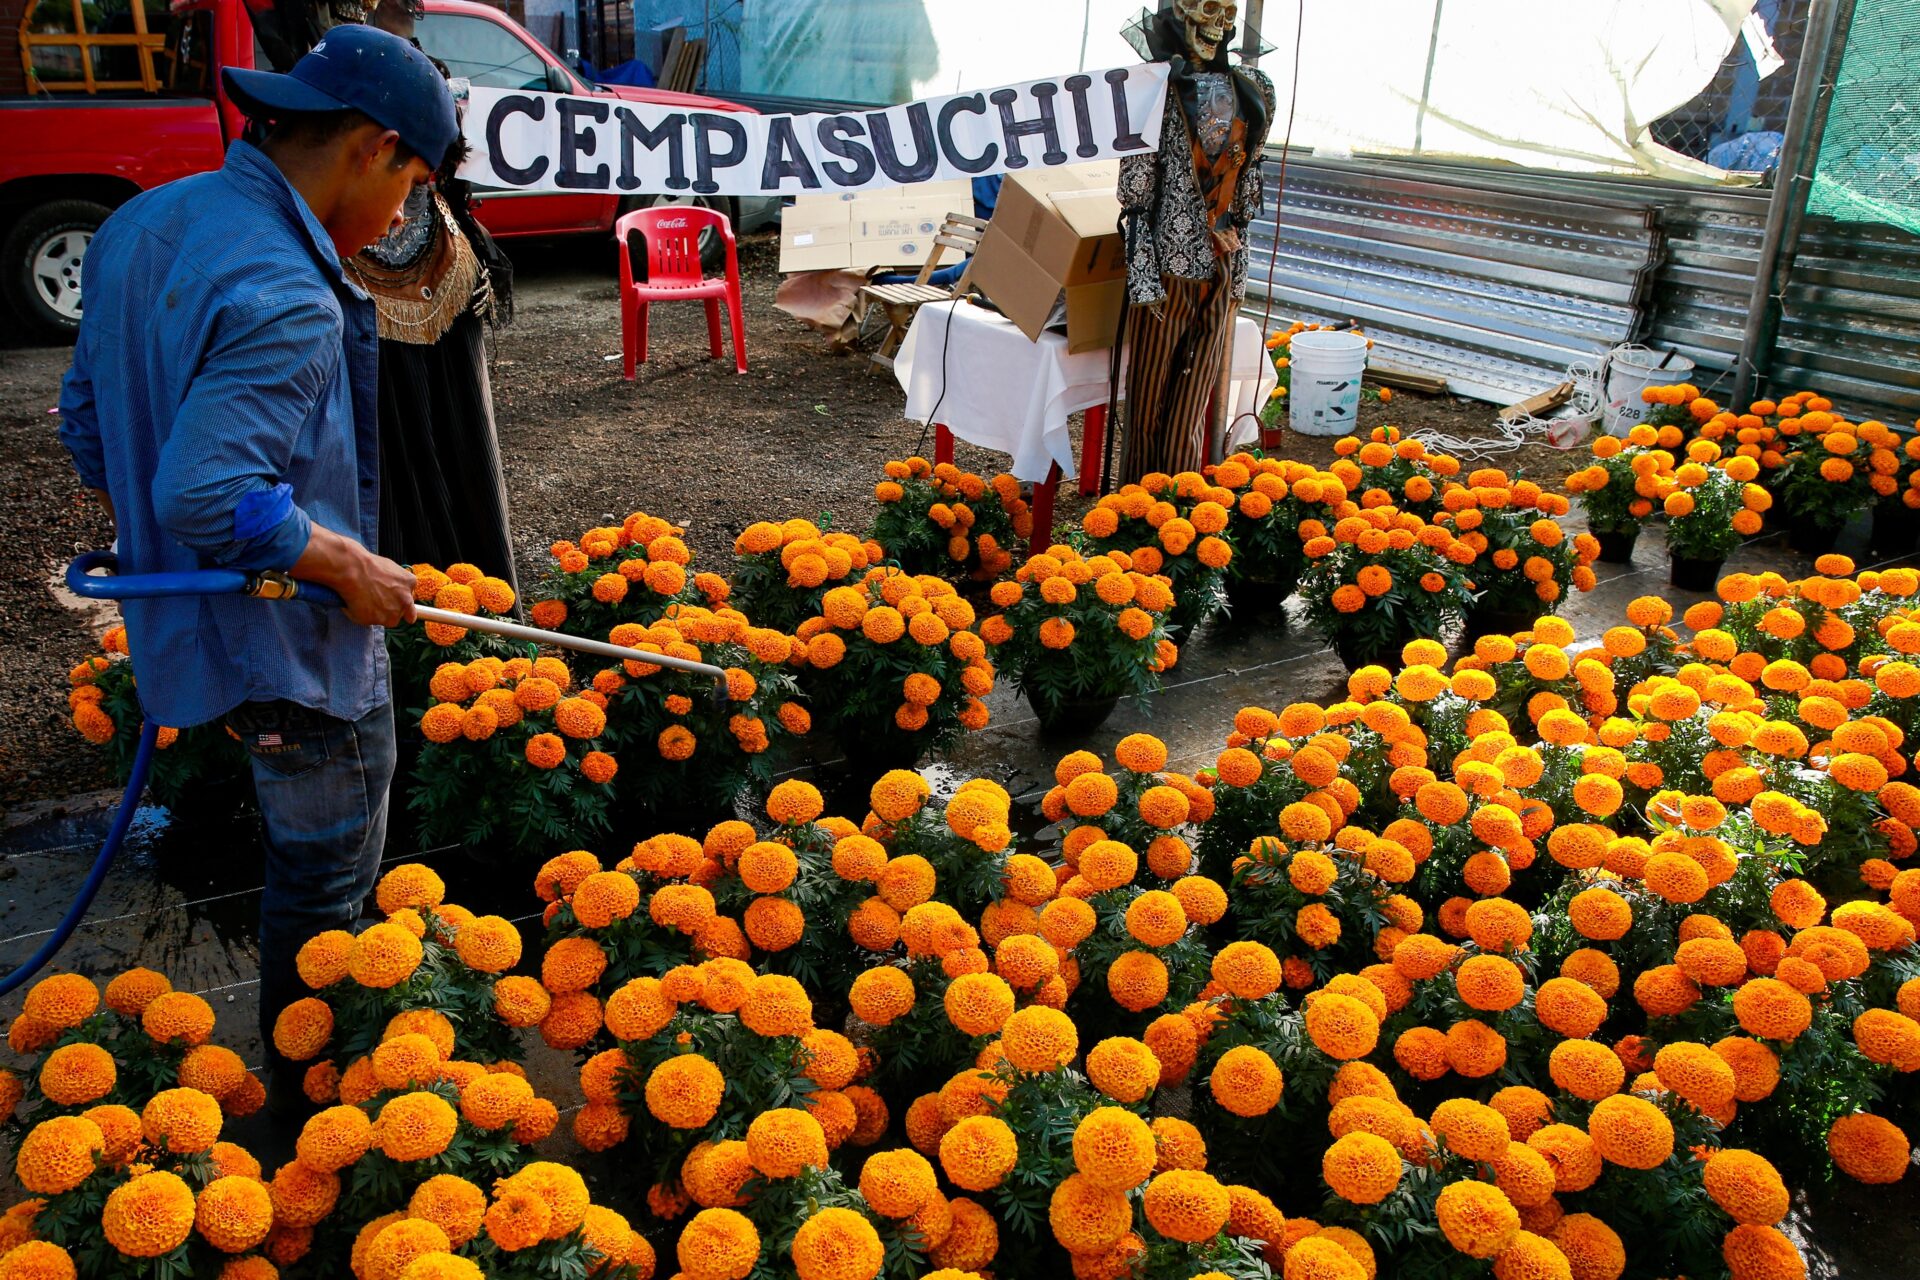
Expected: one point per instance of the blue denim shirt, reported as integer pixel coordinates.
(223, 392)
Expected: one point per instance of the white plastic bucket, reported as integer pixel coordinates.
(1323, 398)
(1631, 371)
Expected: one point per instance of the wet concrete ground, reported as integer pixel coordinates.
(185, 896)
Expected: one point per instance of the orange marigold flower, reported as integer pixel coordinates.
(1087, 1218)
(1869, 1148)
(1123, 1068)
(896, 1184)
(832, 1244)
(75, 1074)
(1477, 1219)
(1576, 1163)
(1114, 1149)
(183, 1121)
(1471, 1129)
(131, 992)
(1186, 1205)
(57, 1154)
(149, 1216)
(1246, 1081)
(979, 1152)
(178, 1016)
(234, 1214)
(1746, 1186)
(1630, 1131)
(415, 1126)
(36, 1260)
(1361, 1168)
(784, 1142)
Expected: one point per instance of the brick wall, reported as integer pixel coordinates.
(13, 77)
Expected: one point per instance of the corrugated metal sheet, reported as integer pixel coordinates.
(1495, 288)
(1850, 322)
(1701, 293)
(1498, 279)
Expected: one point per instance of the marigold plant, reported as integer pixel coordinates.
(938, 519)
(1073, 629)
(1172, 526)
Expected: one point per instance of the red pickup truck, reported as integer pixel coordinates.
(71, 159)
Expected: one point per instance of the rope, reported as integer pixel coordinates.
(1589, 401)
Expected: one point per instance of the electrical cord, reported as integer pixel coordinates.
(946, 343)
(1286, 147)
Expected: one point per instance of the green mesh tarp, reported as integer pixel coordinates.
(1868, 169)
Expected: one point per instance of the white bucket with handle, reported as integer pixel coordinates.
(1323, 397)
(1631, 370)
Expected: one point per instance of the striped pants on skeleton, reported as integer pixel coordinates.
(1174, 353)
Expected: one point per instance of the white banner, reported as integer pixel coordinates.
(563, 142)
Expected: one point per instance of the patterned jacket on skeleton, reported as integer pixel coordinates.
(1165, 219)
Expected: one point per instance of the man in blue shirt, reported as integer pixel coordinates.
(222, 406)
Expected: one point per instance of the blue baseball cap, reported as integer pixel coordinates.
(364, 69)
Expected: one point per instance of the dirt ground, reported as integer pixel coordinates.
(802, 433)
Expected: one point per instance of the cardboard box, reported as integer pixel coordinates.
(887, 227)
(1054, 248)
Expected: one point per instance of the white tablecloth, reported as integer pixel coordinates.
(971, 369)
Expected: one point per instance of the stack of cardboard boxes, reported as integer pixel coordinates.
(1052, 257)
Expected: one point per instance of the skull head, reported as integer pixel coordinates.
(1207, 23)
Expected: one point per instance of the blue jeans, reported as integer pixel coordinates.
(322, 787)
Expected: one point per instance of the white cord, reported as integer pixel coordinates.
(1589, 402)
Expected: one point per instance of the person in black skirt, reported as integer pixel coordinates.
(439, 282)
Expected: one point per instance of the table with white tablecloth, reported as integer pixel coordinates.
(972, 371)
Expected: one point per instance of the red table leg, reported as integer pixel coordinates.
(1042, 536)
(1092, 444)
(942, 443)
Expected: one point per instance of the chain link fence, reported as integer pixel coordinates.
(1868, 167)
(1738, 120)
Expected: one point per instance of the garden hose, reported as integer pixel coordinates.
(83, 581)
(97, 876)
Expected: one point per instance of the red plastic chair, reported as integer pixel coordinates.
(674, 275)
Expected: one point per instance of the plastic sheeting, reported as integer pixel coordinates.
(1553, 84)
(1558, 84)
(890, 51)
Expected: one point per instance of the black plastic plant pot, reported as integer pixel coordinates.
(1361, 651)
(1694, 575)
(1810, 537)
(1070, 717)
(1896, 529)
(1258, 599)
(1616, 545)
(1493, 621)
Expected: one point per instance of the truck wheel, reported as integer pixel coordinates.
(713, 251)
(41, 261)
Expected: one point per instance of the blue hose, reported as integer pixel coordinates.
(147, 586)
(109, 850)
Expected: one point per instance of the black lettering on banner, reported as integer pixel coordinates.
(925, 160)
(576, 142)
(1077, 87)
(511, 174)
(668, 131)
(1124, 138)
(837, 134)
(785, 159)
(705, 159)
(1013, 130)
(943, 129)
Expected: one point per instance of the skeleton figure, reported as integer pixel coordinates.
(1185, 208)
(1207, 23)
